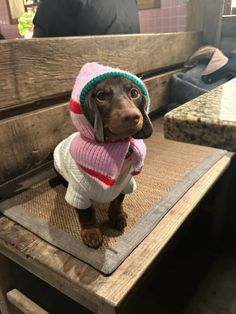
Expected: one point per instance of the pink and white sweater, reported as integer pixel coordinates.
(96, 171)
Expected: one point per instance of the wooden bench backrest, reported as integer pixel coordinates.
(36, 78)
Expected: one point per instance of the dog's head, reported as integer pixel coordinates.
(117, 107)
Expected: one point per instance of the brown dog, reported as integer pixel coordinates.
(116, 106)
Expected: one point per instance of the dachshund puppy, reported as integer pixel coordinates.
(108, 107)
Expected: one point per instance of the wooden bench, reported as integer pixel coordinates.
(36, 80)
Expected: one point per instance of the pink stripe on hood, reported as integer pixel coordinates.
(101, 161)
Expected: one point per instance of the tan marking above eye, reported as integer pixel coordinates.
(107, 89)
(128, 86)
(103, 93)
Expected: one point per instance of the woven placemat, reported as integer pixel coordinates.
(170, 169)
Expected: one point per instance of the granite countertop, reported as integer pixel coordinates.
(208, 120)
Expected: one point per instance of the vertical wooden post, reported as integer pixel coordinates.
(227, 7)
(6, 284)
(220, 210)
(213, 22)
(206, 16)
(107, 309)
(195, 15)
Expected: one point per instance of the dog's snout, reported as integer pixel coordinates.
(131, 117)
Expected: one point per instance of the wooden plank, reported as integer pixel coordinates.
(229, 26)
(24, 304)
(158, 88)
(6, 284)
(220, 209)
(227, 7)
(26, 144)
(16, 9)
(28, 140)
(213, 22)
(206, 16)
(164, 230)
(148, 4)
(41, 68)
(20, 240)
(195, 15)
(81, 282)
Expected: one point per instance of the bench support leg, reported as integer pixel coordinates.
(220, 210)
(6, 284)
(107, 309)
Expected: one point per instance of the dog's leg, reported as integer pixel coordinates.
(116, 213)
(90, 231)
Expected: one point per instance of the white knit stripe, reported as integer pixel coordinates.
(82, 188)
(76, 199)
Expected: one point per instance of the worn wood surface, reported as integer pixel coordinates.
(16, 9)
(80, 281)
(206, 16)
(158, 87)
(195, 15)
(229, 26)
(148, 4)
(24, 304)
(220, 209)
(227, 7)
(37, 69)
(213, 12)
(28, 140)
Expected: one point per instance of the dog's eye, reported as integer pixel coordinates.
(134, 93)
(101, 95)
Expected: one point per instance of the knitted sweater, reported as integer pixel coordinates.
(102, 162)
(82, 188)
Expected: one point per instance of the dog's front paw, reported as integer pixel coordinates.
(119, 222)
(92, 237)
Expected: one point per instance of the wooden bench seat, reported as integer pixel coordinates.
(99, 293)
(36, 79)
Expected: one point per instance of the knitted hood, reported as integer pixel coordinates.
(89, 75)
(101, 161)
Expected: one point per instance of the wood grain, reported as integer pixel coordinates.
(36, 69)
(195, 15)
(157, 240)
(206, 16)
(24, 304)
(158, 87)
(213, 12)
(227, 7)
(80, 281)
(16, 9)
(28, 140)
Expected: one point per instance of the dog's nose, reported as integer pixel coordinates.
(131, 117)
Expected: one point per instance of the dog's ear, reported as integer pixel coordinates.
(98, 124)
(147, 129)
